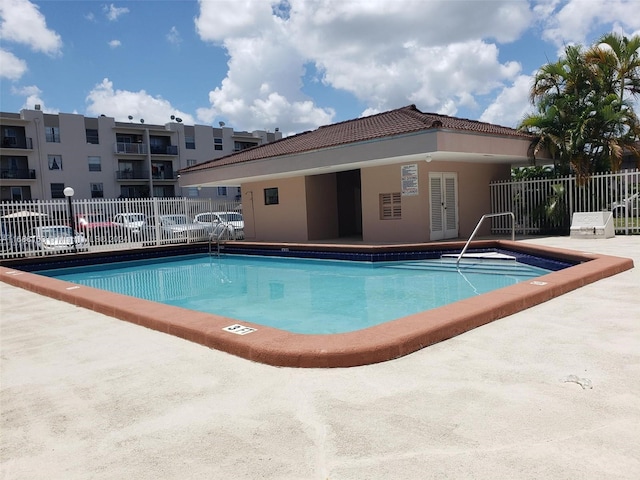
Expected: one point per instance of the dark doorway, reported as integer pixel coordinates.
(349, 204)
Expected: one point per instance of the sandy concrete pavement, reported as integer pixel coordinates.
(85, 396)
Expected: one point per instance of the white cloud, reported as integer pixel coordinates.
(511, 105)
(575, 21)
(113, 13)
(115, 43)
(33, 97)
(439, 57)
(103, 99)
(173, 36)
(12, 67)
(22, 22)
(262, 89)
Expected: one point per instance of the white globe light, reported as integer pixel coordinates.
(68, 192)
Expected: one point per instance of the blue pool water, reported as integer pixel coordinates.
(300, 295)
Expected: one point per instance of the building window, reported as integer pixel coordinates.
(222, 191)
(193, 192)
(52, 134)
(190, 143)
(390, 206)
(97, 190)
(271, 196)
(57, 190)
(238, 146)
(217, 144)
(9, 137)
(55, 162)
(16, 194)
(191, 162)
(92, 136)
(95, 164)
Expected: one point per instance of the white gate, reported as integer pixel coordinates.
(546, 205)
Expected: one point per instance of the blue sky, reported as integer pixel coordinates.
(290, 64)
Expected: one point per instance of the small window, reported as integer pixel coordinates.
(57, 190)
(55, 162)
(95, 164)
(390, 206)
(190, 143)
(217, 143)
(191, 162)
(52, 134)
(222, 191)
(193, 192)
(92, 136)
(271, 196)
(97, 190)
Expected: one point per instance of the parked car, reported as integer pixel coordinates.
(233, 221)
(131, 223)
(57, 239)
(174, 228)
(627, 206)
(99, 230)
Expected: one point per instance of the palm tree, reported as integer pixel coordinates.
(618, 60)
(583, 117)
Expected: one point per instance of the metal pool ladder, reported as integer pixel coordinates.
(225, 231)
(489, 215)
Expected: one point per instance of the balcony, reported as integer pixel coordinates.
(164, 150)
(136, 174)
(131, 148)
(165, 175)
(24, 143)
(18, 173)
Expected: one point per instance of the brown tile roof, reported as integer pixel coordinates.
(388, 124)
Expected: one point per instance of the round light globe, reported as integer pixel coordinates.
(68, 192)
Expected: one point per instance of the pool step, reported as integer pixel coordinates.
(510, 268)
(479, 256)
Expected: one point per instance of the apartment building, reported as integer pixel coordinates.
(43, 153)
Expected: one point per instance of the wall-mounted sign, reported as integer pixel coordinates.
(409, 174)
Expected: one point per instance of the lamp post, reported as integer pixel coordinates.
(68, 192)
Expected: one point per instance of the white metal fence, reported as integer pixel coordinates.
(34, 228)
(544, 206)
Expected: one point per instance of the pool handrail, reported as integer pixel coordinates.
(226, 229)
(489, 215)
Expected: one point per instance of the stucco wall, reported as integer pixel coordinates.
(322, 206)
(286, 221)
(474, 200)
(414, 224)
(316, 197)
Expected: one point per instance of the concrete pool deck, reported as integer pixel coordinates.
(89, 396)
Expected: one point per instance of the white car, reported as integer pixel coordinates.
(57, 239)
(130, 222)
(233, 221)
(174, 228)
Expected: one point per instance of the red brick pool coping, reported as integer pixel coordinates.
(372, 345)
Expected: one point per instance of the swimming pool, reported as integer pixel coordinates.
(307, 296)
(278, 347)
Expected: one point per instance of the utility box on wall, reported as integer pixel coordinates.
(592, 225)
